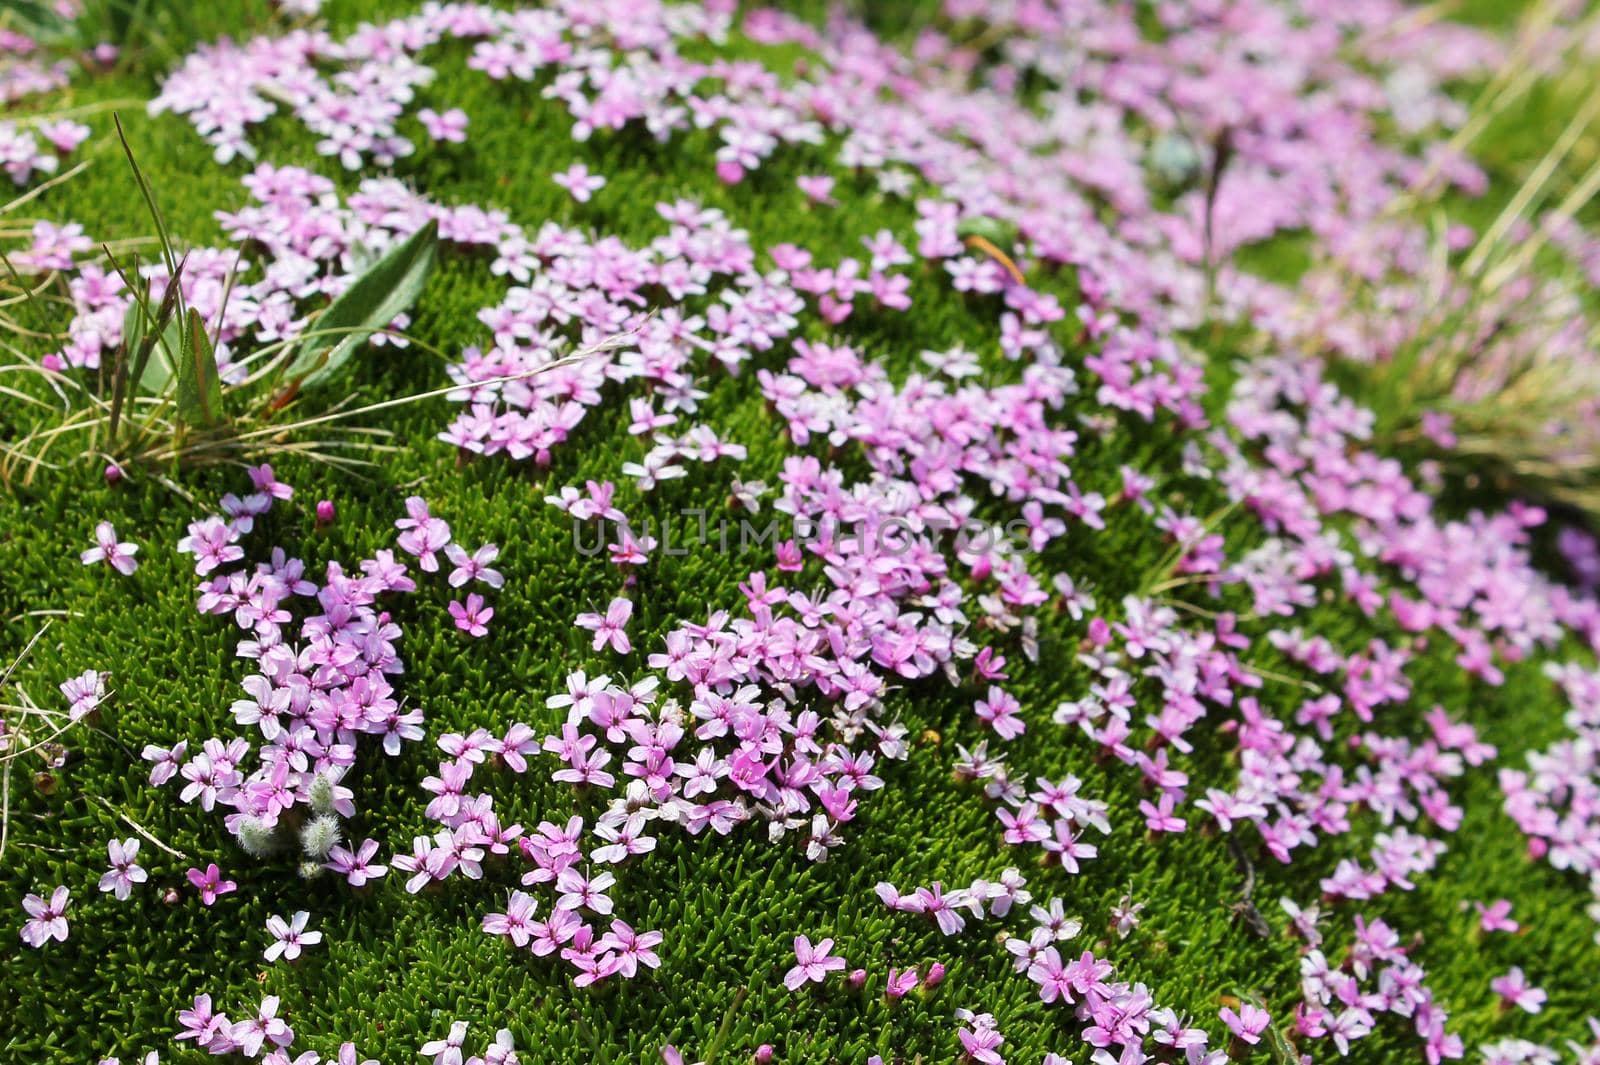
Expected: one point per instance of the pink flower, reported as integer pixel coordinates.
(812, 964)
(577, 180)
(1248, 1023)
(107, 549)
(210, 883)
(1514, 990)
(1496, 917)
(472, 619)
(46, 920)
(610, 628)
(818, 188)
(901, 983)
(629, 949)
(422, 534)
(449, 126)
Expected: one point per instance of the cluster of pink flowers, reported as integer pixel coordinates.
(31, 150)
(311, 700)
(1556, 802)
(30, 154)
(265, 1036)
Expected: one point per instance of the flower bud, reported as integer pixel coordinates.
(325, 512)
(764, 1053)
(113, 473)
(856, 980)
(934, 978)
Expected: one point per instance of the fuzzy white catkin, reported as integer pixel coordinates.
(320, 794)
(319, 835)
(256, 836)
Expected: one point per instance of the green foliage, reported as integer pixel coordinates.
(199, 393)
(395, 968)
(382, 292)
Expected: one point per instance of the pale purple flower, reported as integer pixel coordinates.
(125, 870)
(209, 1030)
(447, 1051)
(577, 180)
(267, 484)
(422, 534)
(812, 964)
(165, 761)
(474, 567)
(1515, 990)
(516, 922)
(107, 549)
(357, 867)
(84, 693)
(46, 920)
(289, 937)
(348, 1055)
(1496, 917)
(266, 1026)
(611, 626)
(450, 126)
(818, 188)
(629, 949)
(1248, 1023)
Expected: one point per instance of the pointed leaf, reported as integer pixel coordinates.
(372, 301)
(160, 336)
(199, 385)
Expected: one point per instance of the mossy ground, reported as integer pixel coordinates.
(394, 968)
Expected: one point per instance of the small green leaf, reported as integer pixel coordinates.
(199, 386)
(372, 301)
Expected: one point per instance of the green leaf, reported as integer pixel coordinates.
(997, 231)
(372, 301)
(1278, 1045)
(199, 385)
(40, 20)
(157, 359)
(164, 341)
